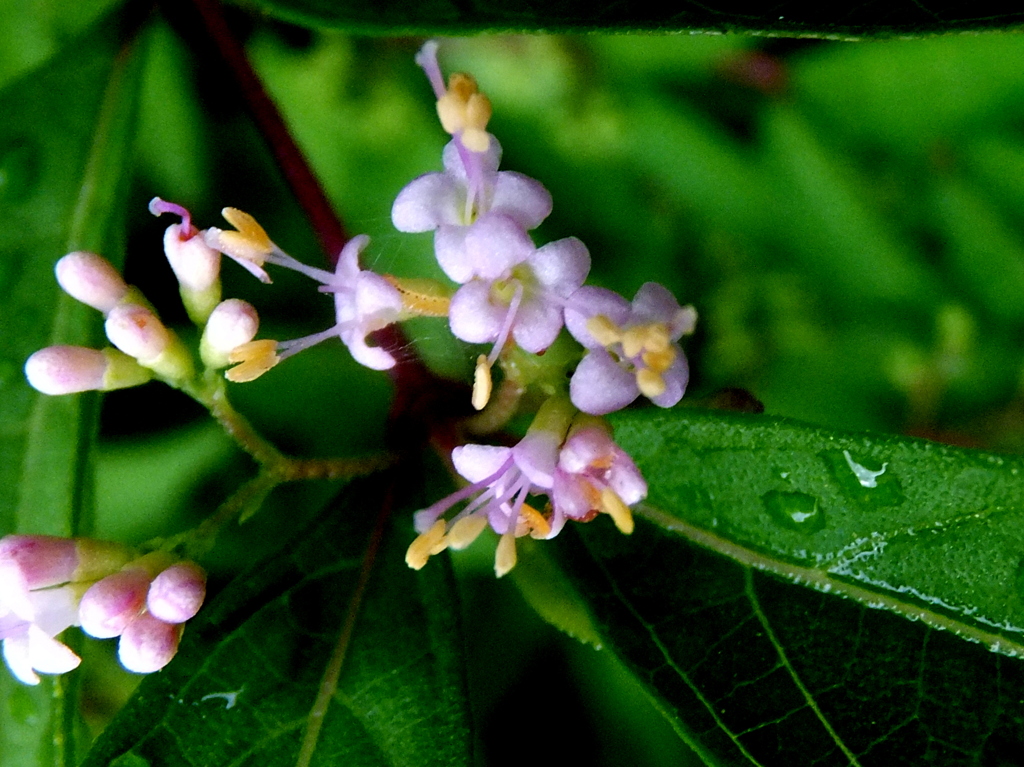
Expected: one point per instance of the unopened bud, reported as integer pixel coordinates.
(148, 644)
(139, 333)
(177, 593)
(66, 370)
(71, 369)
(91, 279)
(110, 604)
(234, 322)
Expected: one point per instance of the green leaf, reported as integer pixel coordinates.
(250, 666)
(764, 671)
(64, 144)
(843, 20)
(932, 532)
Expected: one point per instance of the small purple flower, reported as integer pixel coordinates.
(583, 473)
(451, 202)
(514, 288)
(502, 478)
(364, 302)
(595, 475)
(632, 347)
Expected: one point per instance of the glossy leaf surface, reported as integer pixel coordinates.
(754, 670)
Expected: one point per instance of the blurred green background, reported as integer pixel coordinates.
(848, 219)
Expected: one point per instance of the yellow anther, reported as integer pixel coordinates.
(250, 242)
(604, 331)
(256, 358)
(659, 361)
(533, 522)
(424, 298)
(633, 340)
(505, 556)
(464, 109)
(658, 338)
(426, 545)
(465, 531)
(619, 511)
(481, 383)
(649, 382)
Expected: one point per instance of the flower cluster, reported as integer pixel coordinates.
(48, 584)
(522, 300)
(518, 297)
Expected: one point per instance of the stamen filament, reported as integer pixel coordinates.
(506, 328)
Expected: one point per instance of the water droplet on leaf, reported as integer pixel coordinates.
(797, 511)
(19, 170)
(866, 480)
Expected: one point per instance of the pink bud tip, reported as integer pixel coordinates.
(137, 332)
(177, 593)
(40, 561)
(111, 604)
(91, 279)
(66, 369)
(148, 644)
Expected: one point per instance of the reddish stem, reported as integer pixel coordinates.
(300, 178)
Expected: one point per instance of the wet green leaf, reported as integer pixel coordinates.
(242, 686)
(756, 670)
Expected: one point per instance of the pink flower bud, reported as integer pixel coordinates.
(177, 593)
(137, 332)
(91, 279)
(195, 264)
(111, 604)
(66, 369)
(148, 644)
(234, 322)
(36, 561)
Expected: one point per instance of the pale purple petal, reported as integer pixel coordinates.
(536, 456)
(55, 609)
(588, 302)
(654, 302)
(478, 462)
(570, 492)
(495, 244)
(373, 357)
(626, 480)
(676, 378)
(450, 249)
(347, 268)
(599, 386)
(561, 266)
(584, 448)
(537, 324)
(521, 198)
(472, 316)
(48, 655)
(16, 656)
(428, 202)
(377, 302)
